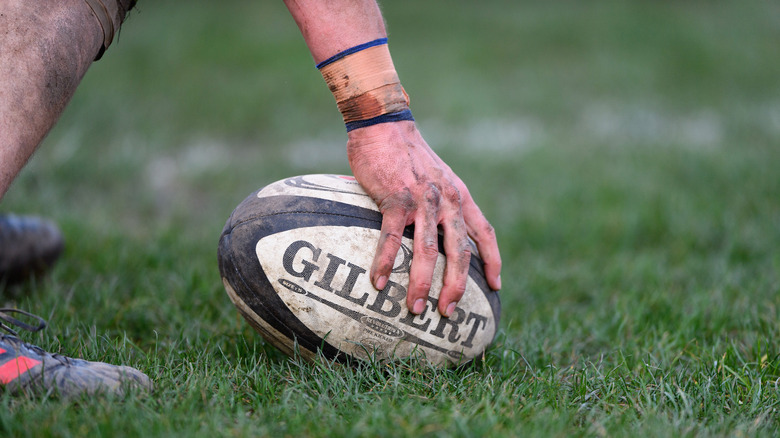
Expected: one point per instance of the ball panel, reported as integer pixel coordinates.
(241, 269)
(337, 188)
(267, 331)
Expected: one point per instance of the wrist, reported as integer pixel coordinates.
(365, 85)
(382, 136)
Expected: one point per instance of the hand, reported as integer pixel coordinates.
(411, 184)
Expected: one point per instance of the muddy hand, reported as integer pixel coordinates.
(412, 185)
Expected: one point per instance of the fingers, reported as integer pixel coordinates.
(412, 185)
(483, 234)
(440, 207)
(393, 223)
(456, 272)
(425, 251)
(396, 211)
(485, 237)
(436, 209)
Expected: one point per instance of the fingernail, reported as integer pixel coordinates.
(498, 281)
(419, 306)
(381, 282)
(451, 309)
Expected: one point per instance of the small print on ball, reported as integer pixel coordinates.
(295, 259)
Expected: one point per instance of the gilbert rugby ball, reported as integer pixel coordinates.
(295, 258)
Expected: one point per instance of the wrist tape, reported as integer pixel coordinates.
(366, 86)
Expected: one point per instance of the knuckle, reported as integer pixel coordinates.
(464, 258)
(432, 195)
(422, 285)
(487, 230)
(429, 248)
(383, 265)
(456, 284)
(393, 238)
(388, 250)
(460, 255)
(458, 290)
(492, 262)
(399, 201)
(452, 194)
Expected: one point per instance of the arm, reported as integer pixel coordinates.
(46, 48)
(40, 67)
(398, 169)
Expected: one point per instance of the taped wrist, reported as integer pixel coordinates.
(366, 86)
(110, 15)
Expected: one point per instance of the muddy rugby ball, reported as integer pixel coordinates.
(295, 258)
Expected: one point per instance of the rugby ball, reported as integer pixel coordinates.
(295, 259)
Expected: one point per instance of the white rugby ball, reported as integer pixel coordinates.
(295, 259)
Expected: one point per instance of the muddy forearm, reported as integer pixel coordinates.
(45, 50)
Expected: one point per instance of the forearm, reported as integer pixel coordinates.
(46, 47)
(44, 53)
(361, 75)
(332, 26)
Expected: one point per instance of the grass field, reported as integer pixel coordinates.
(628, 154)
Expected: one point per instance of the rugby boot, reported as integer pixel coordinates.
(27, 369)
(28, 246)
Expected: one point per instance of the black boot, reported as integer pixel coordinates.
(28, 246)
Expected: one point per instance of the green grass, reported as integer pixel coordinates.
(626, 152)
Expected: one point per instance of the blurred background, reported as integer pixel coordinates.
(627, 153)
